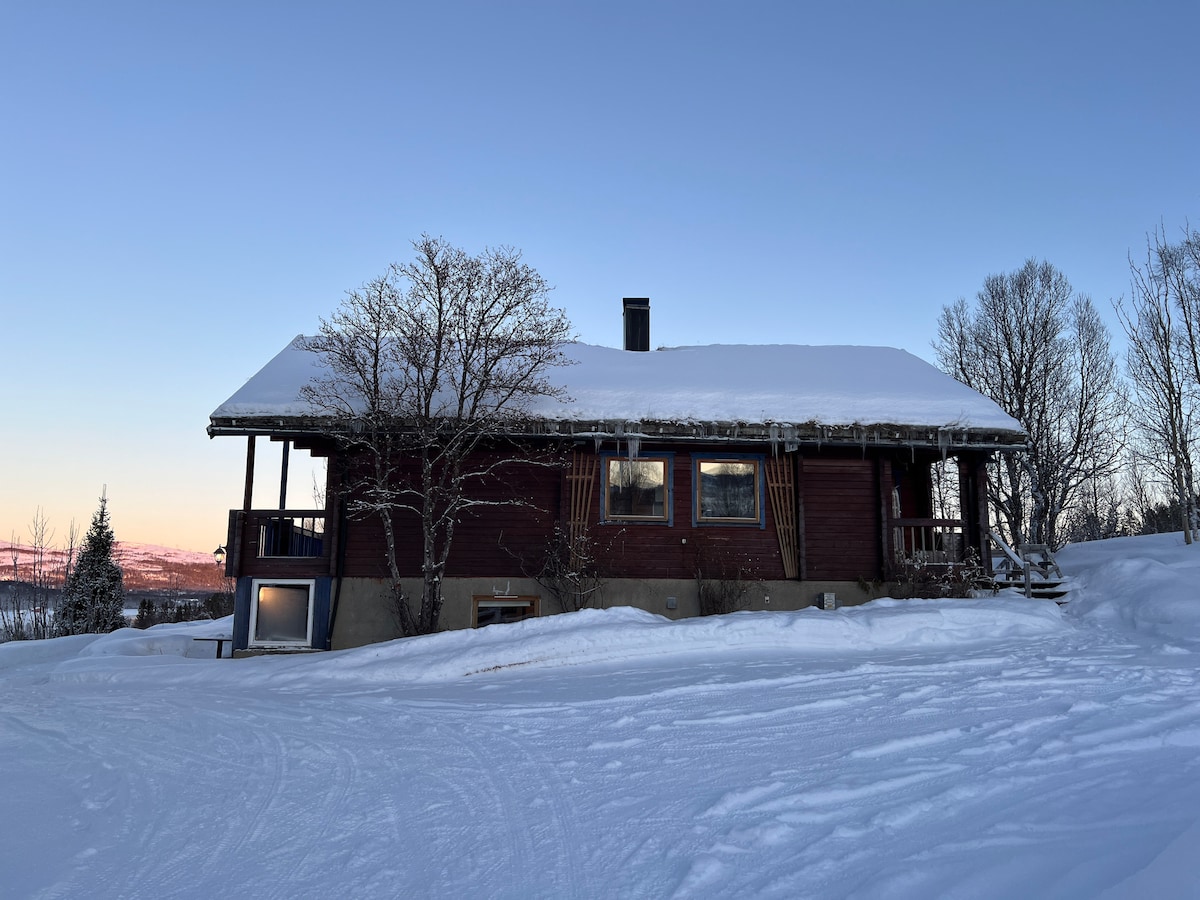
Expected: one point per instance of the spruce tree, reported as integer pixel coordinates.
(93, 600)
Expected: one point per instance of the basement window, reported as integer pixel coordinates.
(637, 489)
(498, 610)
(728, 490)
(281, 613)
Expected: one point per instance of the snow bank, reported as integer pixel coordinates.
(622, 634)
(1145, 584)
(128, 651)
(588, 637)
(16, 654)
(1141, 584)
(159, 640)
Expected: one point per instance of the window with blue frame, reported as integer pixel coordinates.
(728, 490)
(637, 490)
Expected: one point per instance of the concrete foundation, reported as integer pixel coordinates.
(364, 614)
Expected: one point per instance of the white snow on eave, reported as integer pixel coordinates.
(771, 383)
(275, 389)
(719, 383)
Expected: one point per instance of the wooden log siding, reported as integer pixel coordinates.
(822, 522)
(781, 489)
(841, 519)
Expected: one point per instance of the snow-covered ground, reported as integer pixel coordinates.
(983, 748)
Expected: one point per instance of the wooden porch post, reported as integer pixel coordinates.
(981, 510)
(333, 516)
(972, 487)
(885, 481)
(248, 497)
(801, 534)
(287, 445)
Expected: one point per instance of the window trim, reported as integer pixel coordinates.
(256, 584)
(759, 461)
(668, 461)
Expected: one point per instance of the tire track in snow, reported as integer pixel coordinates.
(529, 803)
(770, 808)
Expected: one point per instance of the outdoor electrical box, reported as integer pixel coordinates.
(827, 600)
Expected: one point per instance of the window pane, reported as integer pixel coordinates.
(636, 489)
(728, 490)
(282, 614)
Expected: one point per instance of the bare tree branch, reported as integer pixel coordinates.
(428, 363)
(1043, 354)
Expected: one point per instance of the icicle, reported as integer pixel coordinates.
(791, 442)
(635, 443)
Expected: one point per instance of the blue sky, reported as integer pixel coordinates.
(188, 186)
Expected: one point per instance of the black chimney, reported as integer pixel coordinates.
(637, 323)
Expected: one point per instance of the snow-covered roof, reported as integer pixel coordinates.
(718, 384)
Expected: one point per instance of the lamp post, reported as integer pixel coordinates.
(227, 603)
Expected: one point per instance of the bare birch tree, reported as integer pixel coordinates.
(28, 613)
(1162, 327)
(1043, 354)
(428, 364)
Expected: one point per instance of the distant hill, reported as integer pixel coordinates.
(146, 567)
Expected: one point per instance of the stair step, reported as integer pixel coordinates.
(1041, 590)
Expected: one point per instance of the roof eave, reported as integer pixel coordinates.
(807, 434)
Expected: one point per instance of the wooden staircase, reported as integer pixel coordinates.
(1031, 569)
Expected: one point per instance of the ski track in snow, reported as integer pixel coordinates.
(1053, 766)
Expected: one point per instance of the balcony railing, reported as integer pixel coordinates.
(275, 534)
(928, 541)
(293, 543)
(290, 533)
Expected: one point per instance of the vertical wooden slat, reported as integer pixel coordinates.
(782, 494)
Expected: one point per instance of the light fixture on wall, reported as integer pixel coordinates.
(219, 555)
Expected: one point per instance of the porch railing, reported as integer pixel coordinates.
(289, 534)
(929, 541)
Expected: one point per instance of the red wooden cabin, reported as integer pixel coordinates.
(794, 473)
